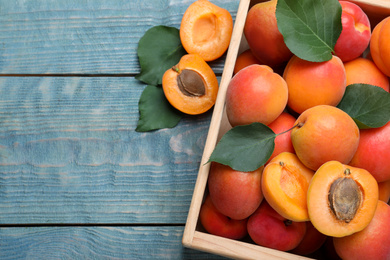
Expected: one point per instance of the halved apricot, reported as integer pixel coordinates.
(191, 86)
(284, 183)
(341, 199)
(206, 30)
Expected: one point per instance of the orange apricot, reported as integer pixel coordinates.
(245, 59)
(191, 86)
(362, 70)
(341, 199)
(380, 47)
(206, 30)
(284, 183)
(384, 191)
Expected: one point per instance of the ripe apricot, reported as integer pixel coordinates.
(380, 47)
(372, 243)
(384, 191)
(362, 70)
(206, 30)
(314, 83)
(191, 86)
(341, 199)
(245, 59)
(255, 94)
(311, 242)
(324, 133)
(284, 183)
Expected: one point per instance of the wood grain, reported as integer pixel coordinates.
(83, 37)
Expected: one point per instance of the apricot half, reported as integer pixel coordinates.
(341, 199)
(284, 183)
(206, 30)
(191, 86)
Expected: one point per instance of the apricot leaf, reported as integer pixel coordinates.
(368, 105)
(245, 148)
(310, 28)
(155, 111)
(158, 50)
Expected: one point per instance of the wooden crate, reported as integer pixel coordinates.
(194, 236)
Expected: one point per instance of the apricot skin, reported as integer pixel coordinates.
(314, 83)
(206, 30)
(327, 133)
(372, 243)
(245, 59)
(372, 75)
(311, 242)
(265, 41)
(220, 225)
(384, 191)
(255, 94)
(380, 47)
(267, 228)
(229, 189)
(373, 152)
(356, 32)
(323, 217)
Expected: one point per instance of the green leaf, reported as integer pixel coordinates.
(310, 28)
(245, 148)
(155, 111)
(158, 50)
(368, 105)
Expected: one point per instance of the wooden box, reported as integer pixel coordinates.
(194, 236)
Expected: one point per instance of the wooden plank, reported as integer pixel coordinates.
(157, 242)
(69, 153)
(83, 37)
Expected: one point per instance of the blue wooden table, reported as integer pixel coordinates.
(76, 180)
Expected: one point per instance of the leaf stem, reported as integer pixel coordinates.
(288, 130)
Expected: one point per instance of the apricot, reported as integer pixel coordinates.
(280, 126)
(373, 152)
(356, 32)
(206, 30)
(234, 193)
(268, 228)
(220, 225)
(191, 86)
(362, 70)
(255, 94)
(284, 183)
(263, 36)
(311, 242)
(384, 191)
(324, 133)
(372, 243)
(314, 83)
(379, 45)
(341, 199)
(245, 59)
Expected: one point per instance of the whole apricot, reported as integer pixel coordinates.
(220, 225)
(324, 133)
(280, 126)
(268, 228)
(384, 191)
(311, 242)
(191, 86)
(380, 47)
(263, 36)
(255, 94)
(206, 30)
(314, 83)
(341, 199)
(356, 32)
(284, 184)
(372, 243)
(235, 194)
(373, 152)
(362, 70)
(245, 59)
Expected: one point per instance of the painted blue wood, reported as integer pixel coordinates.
(81, 36)
(96, 243)
(69, 154)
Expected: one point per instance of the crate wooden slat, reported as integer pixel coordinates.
(193, 236)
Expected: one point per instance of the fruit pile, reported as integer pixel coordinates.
(324, 180)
